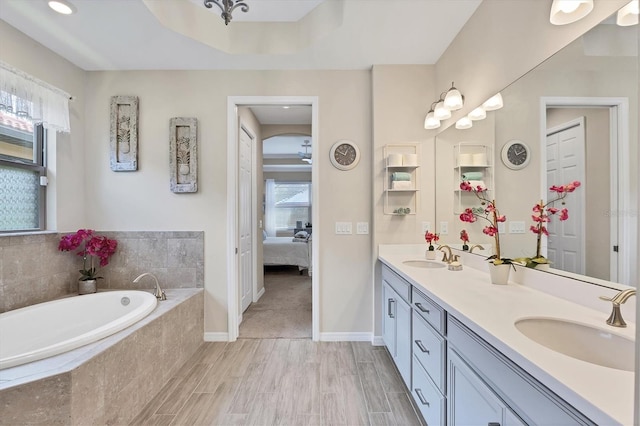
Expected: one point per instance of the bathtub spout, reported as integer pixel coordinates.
(159, 293)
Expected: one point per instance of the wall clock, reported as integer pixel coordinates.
(344, 155)
(516, 154)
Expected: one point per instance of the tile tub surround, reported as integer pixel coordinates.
(32, 270)
(109, 381)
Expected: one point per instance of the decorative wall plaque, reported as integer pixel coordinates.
(183, 154)
(123, 139)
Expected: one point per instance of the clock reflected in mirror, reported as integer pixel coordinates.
(516, 154)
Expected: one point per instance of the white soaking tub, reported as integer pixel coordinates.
(47, 329)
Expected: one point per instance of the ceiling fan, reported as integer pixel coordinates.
(306, 155)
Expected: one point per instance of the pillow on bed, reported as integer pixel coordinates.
(264, 235)
(301, 234)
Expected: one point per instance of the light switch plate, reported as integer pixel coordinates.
(516, 227)
(343, 228)
(501, 227)
(362, 228)
(444, 228)
(426, 226)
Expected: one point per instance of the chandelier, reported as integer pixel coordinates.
(227, 7)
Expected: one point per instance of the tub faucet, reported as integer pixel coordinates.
(159, 293)
(615, 319)
(475, 246)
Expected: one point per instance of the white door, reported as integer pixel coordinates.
(245, 222)
(565, 163)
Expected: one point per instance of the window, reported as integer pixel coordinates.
(292, 202)
(22, 164)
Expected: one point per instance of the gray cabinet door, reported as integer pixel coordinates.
(471, 401)
(403, 341)
(389, 302)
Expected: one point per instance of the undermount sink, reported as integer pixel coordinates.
(423, 264)
(584, 342)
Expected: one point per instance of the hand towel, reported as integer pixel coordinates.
(397, 176)
(472, 176)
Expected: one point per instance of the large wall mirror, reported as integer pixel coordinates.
(578, 114)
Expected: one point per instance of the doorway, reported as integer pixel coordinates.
(234, 274)
(620, 243)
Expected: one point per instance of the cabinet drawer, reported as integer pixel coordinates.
(429, 310)
(427, 397)
(402, 287)
(429, 349)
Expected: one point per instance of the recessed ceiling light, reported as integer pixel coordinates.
(62, 6)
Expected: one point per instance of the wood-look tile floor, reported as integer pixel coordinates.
(283, 382)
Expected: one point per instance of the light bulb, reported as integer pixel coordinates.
(441, 112)
(464, 123)
(453, 101)
(569, 6)
(628, 15)
(493, 103)
(478, 114)
(430, 122)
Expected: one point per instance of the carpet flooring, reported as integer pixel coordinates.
(284, 310)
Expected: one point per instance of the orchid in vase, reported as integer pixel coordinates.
(489, 214)
(542, 215)
(465, 240)
(430, 238)
(90, 246)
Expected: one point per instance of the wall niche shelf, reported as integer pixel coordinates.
(401, 179)
(473, 162)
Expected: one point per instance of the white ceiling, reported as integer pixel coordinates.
(126, 35)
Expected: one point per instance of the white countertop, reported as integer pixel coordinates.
(605, 395)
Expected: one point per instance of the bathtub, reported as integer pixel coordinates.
(47, 329)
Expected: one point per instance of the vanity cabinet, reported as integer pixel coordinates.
(505, 383)
(396, 322)
(454, 375)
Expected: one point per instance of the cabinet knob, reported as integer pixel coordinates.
(421, 346)
(423, 400)
(422, 308)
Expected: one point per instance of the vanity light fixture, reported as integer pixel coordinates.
(477, 114)
(227, 7)
(628, 15)
(430, 121)
(453, 100)
(62, 6)
(567, 11)
(464, 123)
(493, 103)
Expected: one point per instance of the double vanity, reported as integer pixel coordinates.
(476, 353)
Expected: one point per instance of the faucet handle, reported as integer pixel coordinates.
(607, 298)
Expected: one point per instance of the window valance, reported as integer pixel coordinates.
(28, 97)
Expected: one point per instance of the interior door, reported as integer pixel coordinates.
(245, 222)
(565, 163)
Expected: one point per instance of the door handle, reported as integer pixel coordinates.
(493, 424)
(423, 400)
(422, 308)
(421, 346)
(389, 312)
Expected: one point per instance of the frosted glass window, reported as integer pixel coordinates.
(19, 199)
(22, 164)
(292, 204)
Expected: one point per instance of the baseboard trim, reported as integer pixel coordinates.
(259, 295)
(377, 341)
(345, 337)
(216, 337)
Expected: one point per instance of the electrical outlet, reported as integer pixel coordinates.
(444, 228)
(426, 226)
(343, 228)
(516, 227)
(362, 228)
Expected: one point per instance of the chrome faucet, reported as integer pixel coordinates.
(159, 293)
(615, 319)
(475, 246)
(445, 258)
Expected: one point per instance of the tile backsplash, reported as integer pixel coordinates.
(32, 270)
